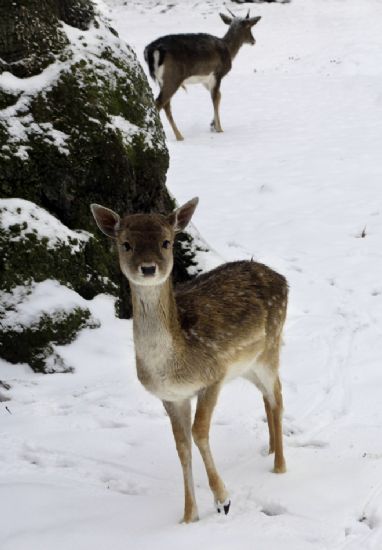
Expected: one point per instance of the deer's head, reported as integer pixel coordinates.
(144, 241)
(241, 26)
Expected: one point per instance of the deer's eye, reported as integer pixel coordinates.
(166, 244)
(126, 246)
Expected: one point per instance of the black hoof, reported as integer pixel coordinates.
(223, 507)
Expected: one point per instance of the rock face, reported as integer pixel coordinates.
(77, 125)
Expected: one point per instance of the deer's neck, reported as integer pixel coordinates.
(233, 41)
(155, 320)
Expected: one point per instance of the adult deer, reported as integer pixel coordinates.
(179, 59)
(189, 342)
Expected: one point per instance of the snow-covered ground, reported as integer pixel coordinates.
(87, 459)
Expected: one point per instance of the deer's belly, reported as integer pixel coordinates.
(246, 359)
(239, 368)
(208, 80)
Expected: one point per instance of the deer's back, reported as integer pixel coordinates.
(197, 54)
(239, 302)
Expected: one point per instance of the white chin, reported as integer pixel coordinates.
(141, 280)
(148, 281)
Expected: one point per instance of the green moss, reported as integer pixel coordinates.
(32, 38)
(7, 99)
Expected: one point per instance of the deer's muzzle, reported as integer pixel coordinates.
(148, 270)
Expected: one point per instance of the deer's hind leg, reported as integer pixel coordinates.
(180, 416)
(168, 88)
(267, 380)
(200, 430)
(271, 424)
(167, 110)
(277, 410)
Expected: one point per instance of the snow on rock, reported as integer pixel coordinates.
(128, 130)
(37, 312)
(25, 306)
(35, 318)
(87, 47)
(31, 218)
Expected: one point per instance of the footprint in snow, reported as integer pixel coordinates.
(290, 429)
(310, 444)
(124, 487)
(273, 509)
(4, 398)
(46, 459)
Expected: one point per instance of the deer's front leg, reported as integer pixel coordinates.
(180, 416)
(200, 430)
(216, 97)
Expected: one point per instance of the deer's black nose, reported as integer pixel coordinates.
(148, 270)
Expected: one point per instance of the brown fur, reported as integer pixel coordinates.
(224, 323)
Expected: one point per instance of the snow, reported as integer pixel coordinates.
(18, 125)
(25, 306)
(33, 219)
(88, 459)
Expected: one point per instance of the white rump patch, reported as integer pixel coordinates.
(158, 69)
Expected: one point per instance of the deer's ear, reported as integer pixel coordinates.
(226, 19)
(106, 219)
(180, 218)
(254, 20)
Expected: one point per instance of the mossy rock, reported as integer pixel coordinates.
(36, 317)
(34, 344)
(90, 133)
(35, 246)
(84, 129)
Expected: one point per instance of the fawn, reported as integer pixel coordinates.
(179, 59)
(191, 340)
